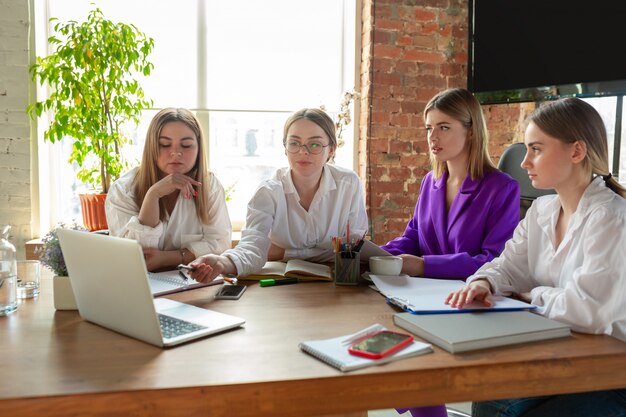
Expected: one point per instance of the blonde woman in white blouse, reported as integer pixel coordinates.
(568, 255)
(295, 214)
(172, 205)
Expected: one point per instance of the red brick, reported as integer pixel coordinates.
(379, 146)
(383, 36)
(429, 28)
(426, 94)
(388, 24)
(422, 41)
(404, 41)
(386, 79)
(385, 51)
(411, 134)
(399, 172)
(425, 56)
(387, 132)
(424, 15)
(410, 106)
(380, 117)
(399, 119)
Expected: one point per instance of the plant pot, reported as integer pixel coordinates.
(92, 206)
(63, 293)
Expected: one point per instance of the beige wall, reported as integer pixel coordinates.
(15, 145)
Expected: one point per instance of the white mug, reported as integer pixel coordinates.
(385, 265)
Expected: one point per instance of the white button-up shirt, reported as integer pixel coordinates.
(582, 282)
(182, 229)
(275, 215)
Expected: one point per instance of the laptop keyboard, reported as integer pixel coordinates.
(173, 327)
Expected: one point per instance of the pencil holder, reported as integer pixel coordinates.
(347, 268)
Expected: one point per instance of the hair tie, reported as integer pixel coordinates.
(607, 177)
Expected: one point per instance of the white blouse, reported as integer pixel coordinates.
(275, 215)
(582, 282)
(182, 229)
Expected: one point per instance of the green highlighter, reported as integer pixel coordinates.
(272, 282)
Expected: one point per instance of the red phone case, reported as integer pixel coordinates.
(374, 355)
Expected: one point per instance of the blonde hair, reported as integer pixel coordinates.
(572, 119)
(148, 173)
(461, 105)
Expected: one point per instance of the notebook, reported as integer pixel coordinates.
(110, 282)
(464, 332)
(334, 351)
(294, 268)
(426, 295)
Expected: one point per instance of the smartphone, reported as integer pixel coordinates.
(230, 292)
(380, 344)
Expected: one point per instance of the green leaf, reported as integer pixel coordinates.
(94, 89)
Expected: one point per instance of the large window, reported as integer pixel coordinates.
(613, 114)
(242, 67)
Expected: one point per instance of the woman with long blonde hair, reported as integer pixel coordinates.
(171, 203)
(568, 255)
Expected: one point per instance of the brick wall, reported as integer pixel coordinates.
(411, 51)
(15, 172)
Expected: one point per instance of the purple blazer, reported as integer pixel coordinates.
(481, 219)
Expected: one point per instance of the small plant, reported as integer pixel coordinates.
(229, 191)
(343, 117)
(50, 253)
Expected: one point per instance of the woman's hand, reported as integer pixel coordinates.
(173, 182)
(207, 267)
(478, 290)
(153, 258)
(412, 265)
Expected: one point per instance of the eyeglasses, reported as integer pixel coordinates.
(314, 148)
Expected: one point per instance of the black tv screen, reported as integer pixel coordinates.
(528, 50)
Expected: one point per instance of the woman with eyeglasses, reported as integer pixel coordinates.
(295, 214)
(171, 204)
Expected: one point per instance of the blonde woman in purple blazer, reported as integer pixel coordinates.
(466, 209)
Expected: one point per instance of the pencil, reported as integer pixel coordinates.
(231, 280)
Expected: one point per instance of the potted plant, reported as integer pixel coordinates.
(93, 93)
(51, 256)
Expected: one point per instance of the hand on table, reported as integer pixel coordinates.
(478, 290)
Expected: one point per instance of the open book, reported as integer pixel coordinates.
(335, 351)
(168, 282)
(295, 268)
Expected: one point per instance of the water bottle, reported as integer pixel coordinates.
(8, 274)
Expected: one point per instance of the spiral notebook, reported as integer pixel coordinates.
(334, 351)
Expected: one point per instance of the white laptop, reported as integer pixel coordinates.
(110, 283)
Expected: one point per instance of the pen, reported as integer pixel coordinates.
(271, 282)
(182, 274)
(231, 280)
(363, 334)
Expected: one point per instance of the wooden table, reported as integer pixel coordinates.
(53, 363)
